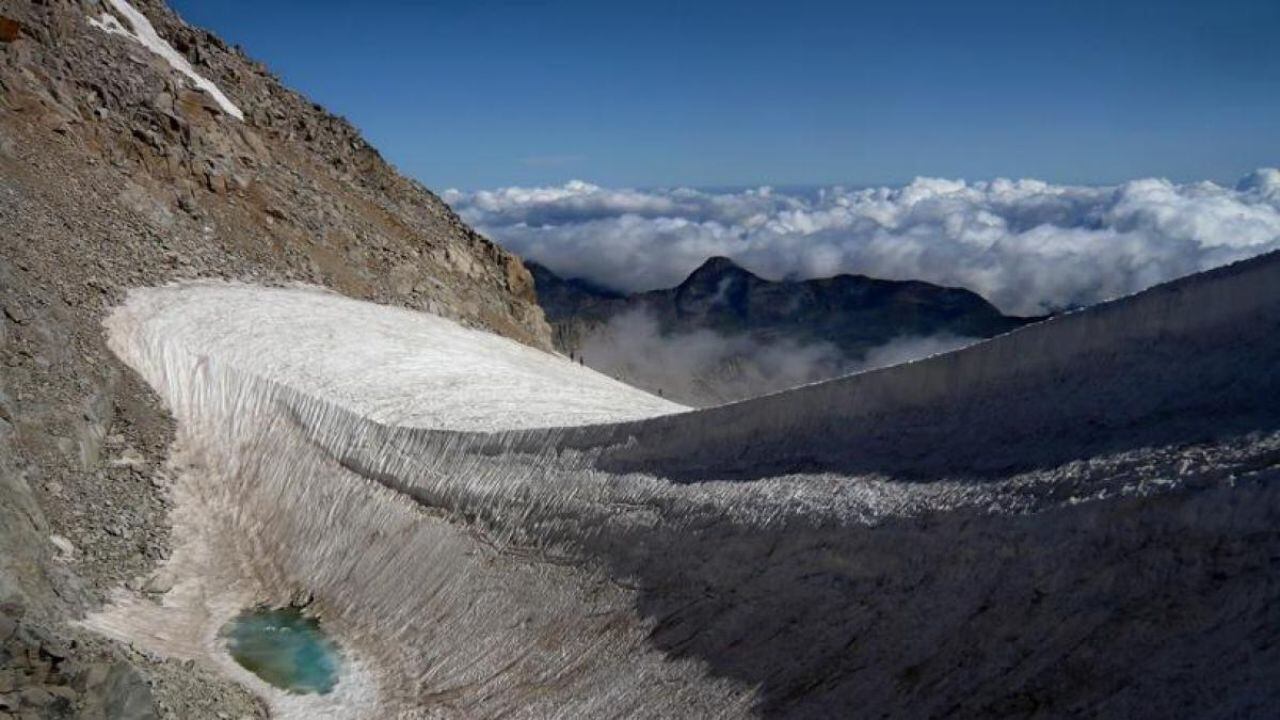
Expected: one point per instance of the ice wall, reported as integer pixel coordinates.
(1078, 516)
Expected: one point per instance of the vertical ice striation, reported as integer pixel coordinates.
(494, 531)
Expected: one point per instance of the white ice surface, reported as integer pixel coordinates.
(144, 33)
(396, 366)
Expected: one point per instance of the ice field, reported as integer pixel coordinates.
(1077, 516)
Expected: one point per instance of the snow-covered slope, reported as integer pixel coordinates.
(1077, 517)
(391, 365)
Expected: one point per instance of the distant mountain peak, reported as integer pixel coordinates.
(715, 269)
(719, 264)
(848, 314)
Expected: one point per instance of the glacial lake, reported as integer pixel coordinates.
(285, 648)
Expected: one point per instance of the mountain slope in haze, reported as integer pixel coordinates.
(725, 333)
(136, 150)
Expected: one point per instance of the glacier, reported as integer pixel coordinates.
(1077, 517)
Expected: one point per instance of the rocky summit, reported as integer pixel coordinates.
(124, 164)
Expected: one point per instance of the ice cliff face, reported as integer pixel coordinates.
(1076, 517)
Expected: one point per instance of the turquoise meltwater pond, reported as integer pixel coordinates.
(285, 648)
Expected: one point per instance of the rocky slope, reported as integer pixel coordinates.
(726, 334)
(116, 171)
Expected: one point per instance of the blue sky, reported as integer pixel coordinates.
(474, 94)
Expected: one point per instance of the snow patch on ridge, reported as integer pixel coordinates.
(143, 32)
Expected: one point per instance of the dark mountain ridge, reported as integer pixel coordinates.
(853, 312)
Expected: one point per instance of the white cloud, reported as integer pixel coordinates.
(704, 368)
(1026, 245)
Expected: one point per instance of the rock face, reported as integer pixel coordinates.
(727, 334)
(39, 678)
(115, 172)
(126, 147)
